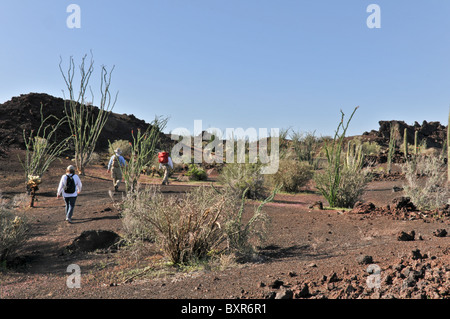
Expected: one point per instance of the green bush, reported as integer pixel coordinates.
(292, 175)
(306, 146)
(196, 173)
(343, 180)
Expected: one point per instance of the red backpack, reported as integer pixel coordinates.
(163, 157)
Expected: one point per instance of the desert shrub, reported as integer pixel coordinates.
(343, 180)
(306, 146)
(188, 228)
(196, 173)
(368, 147)
(426, 182)
(240, 234)
(371, 148)
(292, 175)
(350, 188)
(134, 211)
(240, 177)
(94, 159)
(13, 231)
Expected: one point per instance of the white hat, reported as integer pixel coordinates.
(118, 151)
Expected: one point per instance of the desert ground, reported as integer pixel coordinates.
(309, 254)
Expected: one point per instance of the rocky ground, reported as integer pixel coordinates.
(382, 249)
(372, 251)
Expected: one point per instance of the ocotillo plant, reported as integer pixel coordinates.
(330, 185)
(416, 135)
(391, 149)
(405, 143)
(41, 150)
(355, 156)
(85, 122)
(143, 151)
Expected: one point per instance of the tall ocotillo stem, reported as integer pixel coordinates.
(391, 149)
(416, 135)
(405, 143)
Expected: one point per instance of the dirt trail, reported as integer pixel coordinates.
(303, 245)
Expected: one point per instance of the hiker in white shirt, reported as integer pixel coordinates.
(69, 195)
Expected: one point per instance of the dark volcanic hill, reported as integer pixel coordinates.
(433, 133)
(23, 113)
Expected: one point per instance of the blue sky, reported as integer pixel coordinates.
(241, 63)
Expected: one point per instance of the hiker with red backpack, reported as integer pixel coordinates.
(116, 162)
(69, 187)
(165, 162)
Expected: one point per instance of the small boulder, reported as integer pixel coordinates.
(364, 260)
(363, 208)
(91, 240)
(403, 203)
(284, 293)
(402, 236)
(318, 205)
(440, 233)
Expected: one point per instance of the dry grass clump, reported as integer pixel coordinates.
(244, 178)
(292, 175)
(195, 225)
(426, 183)
(13, 229)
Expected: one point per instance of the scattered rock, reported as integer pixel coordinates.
(270, 295)
(276, 284)
(91, 240)
(364, 260)
(411, 277)
(333, 278)
(317, 204)
(304, 292)
(363, 208)
(397, 189)
(402, 236)
(403, 203)
(284, 293)
(415, 255)
(440, 233)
